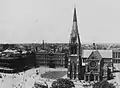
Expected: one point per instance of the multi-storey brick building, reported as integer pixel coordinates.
(50, 59)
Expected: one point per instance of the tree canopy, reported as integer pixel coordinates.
(63, 83)
(103, 84)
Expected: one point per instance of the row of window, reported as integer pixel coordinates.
(107, 60)
(116, 61)
(94, 78)
(116, 54)
(47, 64)
(50, 56)
(56, 62)
(42, 58)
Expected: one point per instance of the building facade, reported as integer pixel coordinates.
(97, 63)
(14, 63)
(50, 59)
(116, 56)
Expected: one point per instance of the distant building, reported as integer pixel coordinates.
(116, 56)
(50, 59)
(50, 56)
(14, 61)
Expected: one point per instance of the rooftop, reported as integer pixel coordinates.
(103, 53)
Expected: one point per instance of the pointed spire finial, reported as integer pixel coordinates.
(75, 16)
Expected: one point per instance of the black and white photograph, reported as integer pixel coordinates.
(59, 43)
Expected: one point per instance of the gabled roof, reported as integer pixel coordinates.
(103, 53)
(95, 54)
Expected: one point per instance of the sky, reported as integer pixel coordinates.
(31, 21)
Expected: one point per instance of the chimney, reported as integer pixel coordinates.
(94, 46)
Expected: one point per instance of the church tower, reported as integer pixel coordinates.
(75, 60)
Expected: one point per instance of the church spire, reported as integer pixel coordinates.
(74, 33)
(74, 37)
(75, 16)
(75, 52)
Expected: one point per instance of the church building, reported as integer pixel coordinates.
(88, 65)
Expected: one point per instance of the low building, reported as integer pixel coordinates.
(16, 62)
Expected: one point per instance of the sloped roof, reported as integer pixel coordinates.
(103, 53)
(96, 53)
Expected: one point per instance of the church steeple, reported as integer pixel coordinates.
(74, 37)
(75, 60)
(74, 16)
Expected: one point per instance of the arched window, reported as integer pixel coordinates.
(74, 71)
(70, 70)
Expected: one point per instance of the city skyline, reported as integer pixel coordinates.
(28, 21)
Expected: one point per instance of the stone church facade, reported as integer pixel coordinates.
(97, 64)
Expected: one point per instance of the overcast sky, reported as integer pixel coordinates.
(30, 21)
